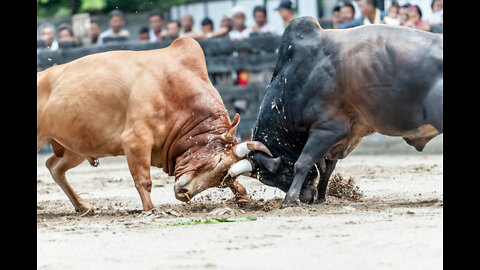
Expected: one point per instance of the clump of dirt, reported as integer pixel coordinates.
(342, 188)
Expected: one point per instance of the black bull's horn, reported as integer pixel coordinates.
(244, 165)
(242, 149)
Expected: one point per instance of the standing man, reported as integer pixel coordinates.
(239, 31)
(370, 15)
(260, 17)
(47, 35)
(94, 31)
(156, 20)
(187, 25)
(173, 30)
(65, 33)
(286, 11)
(116, 22)
(207, 27)
(347, 12)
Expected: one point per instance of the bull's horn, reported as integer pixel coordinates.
(240, 167)
(242, 149)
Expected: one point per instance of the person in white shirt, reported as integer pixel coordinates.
(116, 23)
(437, 13)
(239, 31)
(156, 21)
(393, 17)
(260, 17)
(47, 35)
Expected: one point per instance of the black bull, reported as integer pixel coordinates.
(331, 88)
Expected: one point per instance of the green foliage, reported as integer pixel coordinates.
(60, 8)
(90, 5)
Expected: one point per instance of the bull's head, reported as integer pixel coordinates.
(223, 160)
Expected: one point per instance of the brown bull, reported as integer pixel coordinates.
(158, 108)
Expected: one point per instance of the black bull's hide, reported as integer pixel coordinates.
(378, 78)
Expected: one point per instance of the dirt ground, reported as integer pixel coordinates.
(389, 216)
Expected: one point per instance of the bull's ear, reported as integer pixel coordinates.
(232, 130)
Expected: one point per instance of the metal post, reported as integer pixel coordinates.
(205, 9)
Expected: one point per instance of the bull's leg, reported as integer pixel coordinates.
(58, 166)
(433, 109)
(322, 137)
(138, 153)
(324, 177)
(240, 192)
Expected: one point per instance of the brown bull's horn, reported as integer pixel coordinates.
(240, 167)
(242, 149)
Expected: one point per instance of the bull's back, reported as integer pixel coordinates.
(87, 101)
(388, 72)
(91, 100)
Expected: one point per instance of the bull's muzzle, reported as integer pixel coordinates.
(182, 189)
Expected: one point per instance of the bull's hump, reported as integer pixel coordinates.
(188, 51)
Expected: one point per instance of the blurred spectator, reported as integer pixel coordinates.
(227, 22)
(393, 17)
(239, 31)
(415, 19)
(94, 31)
(65, 33)
(260, 17)
(187, 25)
(207, 27)
(347, 12)
(47, 35)
(286, 11)
(403, 12)
(116, 22)
(335, 16)
(173, 30)
(156, 20)
(143, 34)
(370, 15)
(437, 13)
(208, 31)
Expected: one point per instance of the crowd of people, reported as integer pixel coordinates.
(407, 15)
(234, 27)
(159, 28)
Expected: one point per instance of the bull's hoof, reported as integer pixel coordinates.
(290, 203)
(319, 201)
(309, 195)
(85, 210)
(242, 201)
(151, 213)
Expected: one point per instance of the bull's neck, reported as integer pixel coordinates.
(191, 135)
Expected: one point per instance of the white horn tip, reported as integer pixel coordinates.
(241, 150)
(240, 167)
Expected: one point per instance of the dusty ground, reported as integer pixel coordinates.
(396, 224)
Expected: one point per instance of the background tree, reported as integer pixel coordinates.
(64, 8)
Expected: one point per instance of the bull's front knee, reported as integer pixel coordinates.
(51, 163)
(144, 185)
